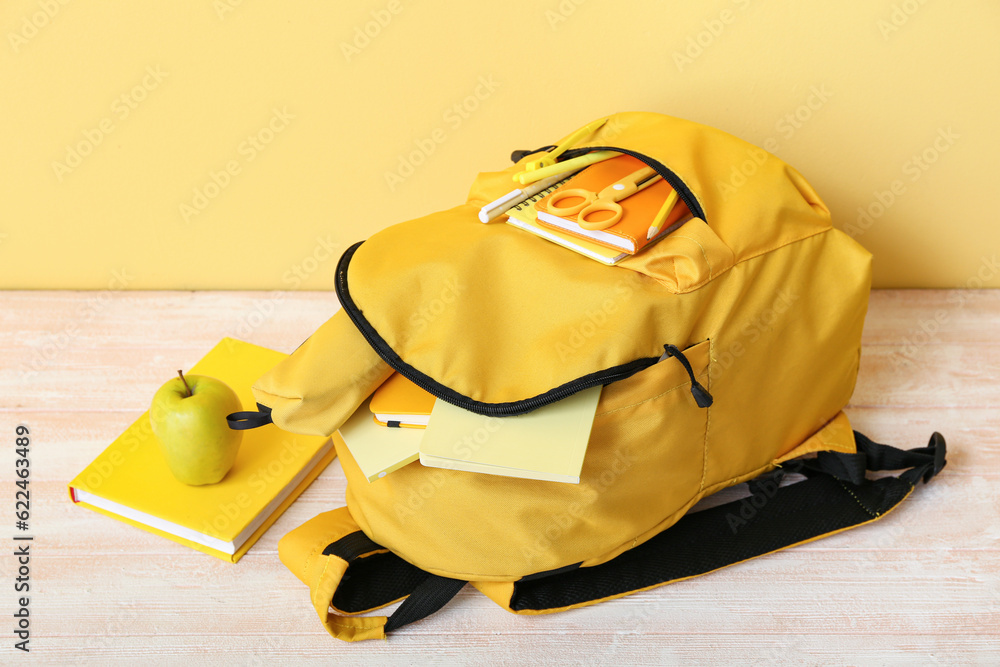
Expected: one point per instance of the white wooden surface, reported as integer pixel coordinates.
(920, 587)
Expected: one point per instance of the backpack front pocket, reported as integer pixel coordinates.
(652, 418)
(643, 469)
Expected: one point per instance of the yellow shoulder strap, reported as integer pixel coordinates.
(322, 550)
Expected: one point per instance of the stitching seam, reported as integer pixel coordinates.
(858, 501)
(645, 400)
(708, 419)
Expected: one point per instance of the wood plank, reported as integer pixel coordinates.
(920, 586)
(122, 362)
(973, 435)
(932, 317)
(621, 648)
(894, 592)
(157, 320)
(928, 376)
(108, 318)
(955, 512)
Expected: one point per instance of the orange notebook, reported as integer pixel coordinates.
(400, 403)
(638, 211)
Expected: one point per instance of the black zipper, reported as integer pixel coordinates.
(683, 191)
(511, 408)
(427, 383)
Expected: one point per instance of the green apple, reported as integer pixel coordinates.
(188, 416)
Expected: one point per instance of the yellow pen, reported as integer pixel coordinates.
(549, 158)
(662, 214)
(525, 177)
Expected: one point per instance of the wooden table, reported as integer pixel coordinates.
(920, 587)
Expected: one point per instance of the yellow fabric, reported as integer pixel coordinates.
(766, 299)
(302, 552)
(316, 388)
(836, 436)
(688, 258)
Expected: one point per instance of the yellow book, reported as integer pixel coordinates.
(401, 403)
(130, 480)
(376, 449)
(546, 444)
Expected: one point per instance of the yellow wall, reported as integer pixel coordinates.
(162, 96)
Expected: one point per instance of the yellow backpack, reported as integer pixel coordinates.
(726, 350)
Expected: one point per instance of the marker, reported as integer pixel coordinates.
(525, 177)
(550, 157)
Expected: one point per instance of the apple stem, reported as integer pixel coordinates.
(190, 393)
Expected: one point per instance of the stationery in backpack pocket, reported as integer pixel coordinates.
(638, 210)
(400, 403)
(378, 450)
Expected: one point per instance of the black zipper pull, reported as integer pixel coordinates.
(701, 395)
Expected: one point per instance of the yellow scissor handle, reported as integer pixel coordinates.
(549, 158)
(586, 198)
(600, 205)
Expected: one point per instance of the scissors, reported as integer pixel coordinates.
(605, 200)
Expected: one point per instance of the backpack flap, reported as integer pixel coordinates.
(499, 322)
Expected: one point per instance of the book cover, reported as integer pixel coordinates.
(130, 480)
(401, 403)
(376, 449)
(545, 444)
(638, 211)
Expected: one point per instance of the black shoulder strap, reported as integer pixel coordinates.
(379, 579)
(835, 496)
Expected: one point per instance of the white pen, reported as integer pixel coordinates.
(495, 209)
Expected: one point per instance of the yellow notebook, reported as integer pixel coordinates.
(378, 450)
(546, 444)
(400, 403)
(525, 216)
(130, 480)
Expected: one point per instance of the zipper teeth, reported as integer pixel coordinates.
(530, 404)
(487, 409)
(683, 191)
